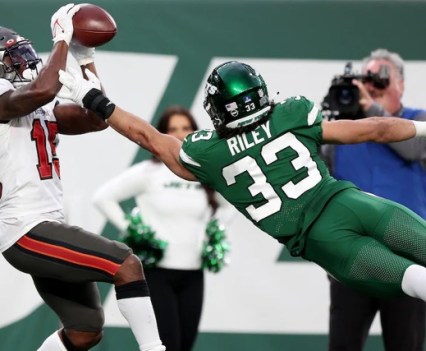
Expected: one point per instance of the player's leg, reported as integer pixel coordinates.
(403, 318)
(339, 241)
(79, 309)
(191, 303)
(162, 284)
(404, 232)
(351, 315)
(399, 229)
(134, 303)
(57, 251)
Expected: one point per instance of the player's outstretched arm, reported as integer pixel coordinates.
(87, 94)
(375, 129)
(165, 147)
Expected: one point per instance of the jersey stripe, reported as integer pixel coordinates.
(312, 116)
(187, 159)
(68, 255)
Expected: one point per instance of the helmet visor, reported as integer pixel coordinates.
(22, 53)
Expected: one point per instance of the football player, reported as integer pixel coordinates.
(262, 157)
(64, 261)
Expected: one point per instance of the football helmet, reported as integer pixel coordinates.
(23, 62)
(235, 96)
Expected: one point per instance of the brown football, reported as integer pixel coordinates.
(93, 26)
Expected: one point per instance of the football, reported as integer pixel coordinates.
(93, 26)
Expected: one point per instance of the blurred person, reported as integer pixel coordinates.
(393, 171)
(63, 261)
(178, 211)
(263, 158)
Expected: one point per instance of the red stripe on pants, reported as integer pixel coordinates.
(68, 255)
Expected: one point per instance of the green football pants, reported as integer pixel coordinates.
(367, 242)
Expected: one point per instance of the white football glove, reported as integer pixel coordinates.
(82, 54)
(75, 87)
(61, 23)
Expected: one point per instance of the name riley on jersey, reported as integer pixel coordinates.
(245, 141)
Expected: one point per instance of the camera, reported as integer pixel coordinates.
(342, 99)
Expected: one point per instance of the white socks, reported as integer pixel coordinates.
(140, 315)
(53, 343)
(414, 281)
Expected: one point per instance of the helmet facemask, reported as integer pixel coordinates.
(19, 63)
(236, 97)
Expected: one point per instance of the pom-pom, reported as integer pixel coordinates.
(215, 247)
(141, 239)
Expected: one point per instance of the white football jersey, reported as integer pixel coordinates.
(30, 186)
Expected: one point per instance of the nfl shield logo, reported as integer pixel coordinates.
(246, 99)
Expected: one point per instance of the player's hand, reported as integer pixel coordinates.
(75, 87)
(82, 54)
(61, 23)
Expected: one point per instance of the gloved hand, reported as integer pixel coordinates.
(75, 87)
(82, 54)
(87, 93)
(61, 23)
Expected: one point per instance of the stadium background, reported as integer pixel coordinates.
(161, 55)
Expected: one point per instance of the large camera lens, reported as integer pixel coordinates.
(346, 97)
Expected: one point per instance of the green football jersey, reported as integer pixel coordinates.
(273, 175)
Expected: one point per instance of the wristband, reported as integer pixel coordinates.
(420, 128)
(97, 102)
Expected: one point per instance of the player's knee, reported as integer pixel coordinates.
(75, 340)
(96, 319)
(130, 270)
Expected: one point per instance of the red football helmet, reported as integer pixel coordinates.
(18, 60)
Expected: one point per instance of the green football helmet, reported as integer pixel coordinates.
(235, 96)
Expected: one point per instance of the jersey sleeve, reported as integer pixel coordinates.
(193, 152)
(305, 111)
(302, 114)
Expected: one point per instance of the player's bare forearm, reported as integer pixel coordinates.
(165, 147)
(73, 120)
(133, 128)
(43, 89)
(375, 129)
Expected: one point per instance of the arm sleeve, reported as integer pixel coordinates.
(126, 185)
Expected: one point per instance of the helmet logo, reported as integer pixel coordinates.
(247, 99)
(210, 89)
(10, 42)
(263, 99)
(232, 108)
(217, 121)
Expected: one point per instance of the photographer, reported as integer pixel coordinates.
(393, 171)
